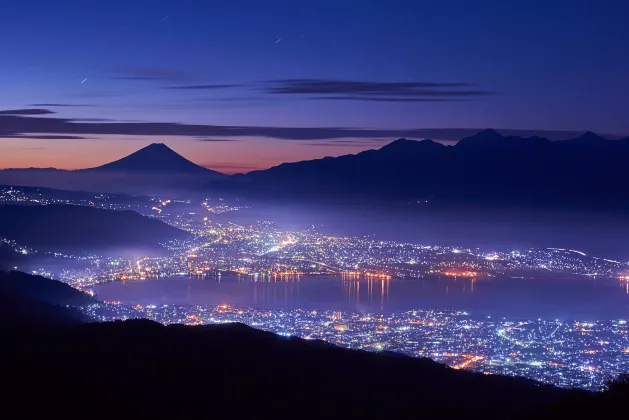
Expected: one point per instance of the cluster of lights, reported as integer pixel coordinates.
(568, 354)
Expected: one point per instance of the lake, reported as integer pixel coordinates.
(572, 298)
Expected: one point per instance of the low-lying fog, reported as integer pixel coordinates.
(597, 232)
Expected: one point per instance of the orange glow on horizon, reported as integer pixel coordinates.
(229, 157)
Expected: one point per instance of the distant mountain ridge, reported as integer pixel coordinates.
(154, 169)
(36, 169)
(58, 227)
(485, 167)
(155, 158)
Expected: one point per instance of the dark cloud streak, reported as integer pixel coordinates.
(217, 140)
(45, 137)
(354, 143)
(328, 89)
(91, 119)
(385, 99)
(29, 111)
(217, 166)
(373, 91)
(201, 87)
(61, 105)
(17, 125)
(346, 86)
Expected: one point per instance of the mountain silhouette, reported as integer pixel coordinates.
(58, 227)
(484, 168)
(33, 300)
(155, 158)
(155, 169)
(588, 138)
(42, 289)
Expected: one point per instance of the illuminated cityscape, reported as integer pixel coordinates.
(261, 250)
(565, 353)
(218, 245)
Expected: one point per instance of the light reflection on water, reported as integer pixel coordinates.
(578, 298)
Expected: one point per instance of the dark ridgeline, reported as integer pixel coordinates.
(141, 367)
(42, 289)
(27, 300)
(155, 158)
(486, 168)
(59, 227)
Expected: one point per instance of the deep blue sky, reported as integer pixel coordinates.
(532, 65)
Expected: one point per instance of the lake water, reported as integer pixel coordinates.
(576, 298)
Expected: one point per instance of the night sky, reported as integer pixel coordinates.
(296, 74)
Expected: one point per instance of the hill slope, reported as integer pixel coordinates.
(484, 168)
(235, 370)
(37, 301)
(41, 289)
(82, 228)
(141, 367)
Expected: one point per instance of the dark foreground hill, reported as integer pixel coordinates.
(141, 368)
(233, 371)
(41, 289)
(37, 301)
(81, 228)
(221, 371)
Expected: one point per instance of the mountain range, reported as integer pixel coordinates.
(484, 168)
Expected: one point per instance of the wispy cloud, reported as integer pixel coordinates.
(97, 94)
(327, 89)
(217, 140)
(151, 74)
(321, 89)
(385, 99)
(231, 167)
(202, 87)
(91, 119)
(346, 86)
(45, 137)
(349, 144)
(12, 124)
(28, 111)
(61, 105)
